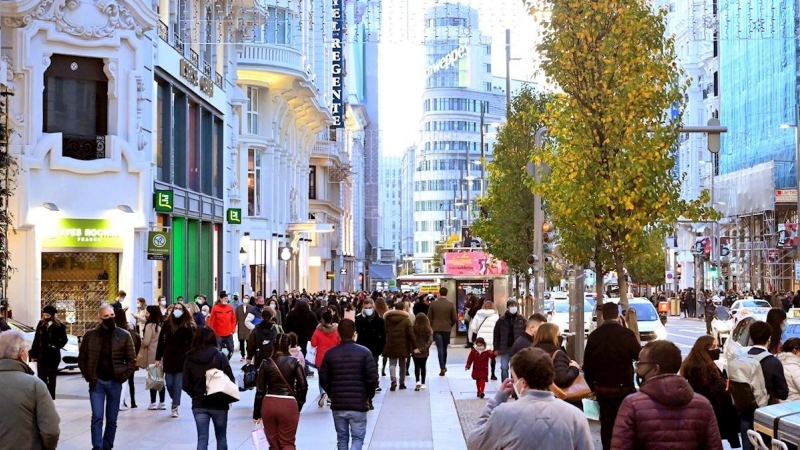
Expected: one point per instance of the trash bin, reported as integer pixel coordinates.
(674, 307)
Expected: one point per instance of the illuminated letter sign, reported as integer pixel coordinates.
(337, 106)
(447, 60)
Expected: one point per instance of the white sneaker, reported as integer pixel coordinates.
(422, 386)
(123, 407)
(322, 399)
(162, 406)
(152, 407)
(174, 412)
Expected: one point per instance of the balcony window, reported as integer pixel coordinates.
(76, 105)
(253, 182)
(312, 182)
(277, 30)
(252, 110)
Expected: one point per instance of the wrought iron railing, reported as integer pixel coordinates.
(84, 148)
(218, 79)
(194, 58)
(206, 68)
(163, 31)
(177, 42)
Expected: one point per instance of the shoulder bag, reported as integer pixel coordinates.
(478, 330)
(282, 377)
(218, 383)
(575, 392)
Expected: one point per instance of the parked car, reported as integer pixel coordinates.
(560, 315)
(548, 308)
(756, 309)
(740, 336)
(69, 354)
(650, 326)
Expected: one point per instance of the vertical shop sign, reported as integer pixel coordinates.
(337, 106)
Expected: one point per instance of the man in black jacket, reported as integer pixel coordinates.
(371, 329)
(526, 340)
(349, 375)
(608, 367)
(106, 360)
(506, 331)
(774, 377)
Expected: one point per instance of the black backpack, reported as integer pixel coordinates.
(265, 348)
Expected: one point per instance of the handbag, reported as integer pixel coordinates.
(259, 438)
(477, 330)
(250, 375)
(311, 355)
(155, 378)
(218, 384)
(577, 391)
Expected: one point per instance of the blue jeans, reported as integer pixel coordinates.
(104, 397)
(442, 339)
(174, 382)
(349, 423)
(220, 418)
(505, 357)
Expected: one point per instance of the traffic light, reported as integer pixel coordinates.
(547, 238)
(713, 272)
(532, 259)
(678, 271)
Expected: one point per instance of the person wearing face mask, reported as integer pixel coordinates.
(174, 342)
(106, 359)
(506, 331)
(138, 316)
(706, 379)
(30, 419)
(790, 358)
(254, 315)
(147, 353)
(479, 360)
(242, 332)
(274, 306)
(536, 417)
(222, 320)
(50, 338)
(666, 412)
(371, 330)
(162, 305)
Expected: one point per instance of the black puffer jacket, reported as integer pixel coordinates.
(302, 322)
(505, 325)
(270, 381)
(173, 345)
(122, 355)
(371, 332)
(564, 373)
(48, 342)
(260, 342)
(349, 375)
(194, 376)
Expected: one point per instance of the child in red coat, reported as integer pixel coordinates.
(479, 360)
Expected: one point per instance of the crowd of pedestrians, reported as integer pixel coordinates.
(647, 397)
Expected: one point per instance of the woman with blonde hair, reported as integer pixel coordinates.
(566, 370)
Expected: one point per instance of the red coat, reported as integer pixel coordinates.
(666, 414)
(479, 363)
(222, 319)
(324, 340)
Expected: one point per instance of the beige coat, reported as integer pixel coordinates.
(147, 354)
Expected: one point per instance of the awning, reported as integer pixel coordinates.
(381, 272)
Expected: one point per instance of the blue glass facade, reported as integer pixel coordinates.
(758, 81)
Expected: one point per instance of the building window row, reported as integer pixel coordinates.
(448, 78)
(189, 141)
(422, 247)
(252, 110)
(444, 185)
(446, 164)
(454, 104)
(441, 205)
(447, 22)
(452, 146)
(452, 125)
(277, 30)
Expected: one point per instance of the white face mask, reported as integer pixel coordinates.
(512, 310)
(272, 306)
(480, 348)
(163, 302)
(368, 312)
(177, 313)
(517, 390)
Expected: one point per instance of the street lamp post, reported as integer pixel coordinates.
(713, 148)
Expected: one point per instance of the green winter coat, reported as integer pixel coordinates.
(29, 419)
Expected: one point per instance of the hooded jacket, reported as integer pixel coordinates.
(483, 324)
(423, 339)
(302, 322)
(48, 342)
(222, 319)
(260, 342)
(479, 361)
(666, 414)
(791, 369)
(506, 331)
(399, 334)
(198, 361)
(325, 338)
(30, 420)
(371, 332)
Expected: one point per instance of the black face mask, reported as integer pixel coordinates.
(714, 354)
(49, 319)
(108, 322)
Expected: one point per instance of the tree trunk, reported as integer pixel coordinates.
(622, 281)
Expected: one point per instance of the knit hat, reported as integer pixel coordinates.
(50, 309)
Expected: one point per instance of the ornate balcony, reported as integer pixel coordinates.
(84, 148)
(271, 58)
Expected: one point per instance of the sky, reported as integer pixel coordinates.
(401, 65)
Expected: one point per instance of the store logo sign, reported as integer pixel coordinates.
(337, 106)
(235, 216)
(82, 233)
(447, 60)
(164, 200)
(159, 244)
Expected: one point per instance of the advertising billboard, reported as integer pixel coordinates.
(473, 263)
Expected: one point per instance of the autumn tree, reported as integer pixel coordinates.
(613, 135)
(437, 264)
(506, 225)
(647, 265)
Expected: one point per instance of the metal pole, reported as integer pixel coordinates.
(713, 225)
(797, 168)
(483, 152)
(467, 180)
(508, 72)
